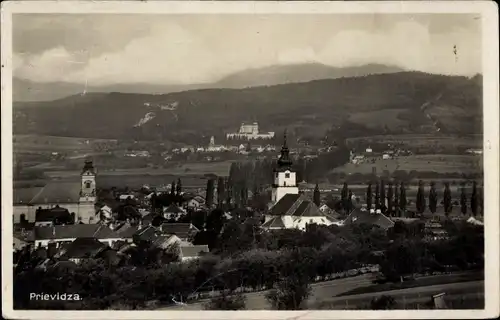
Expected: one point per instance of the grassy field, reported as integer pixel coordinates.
(438, 163)
(426, 281)
(379, 118)
(26, 143)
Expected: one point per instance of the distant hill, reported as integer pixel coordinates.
(402, 102)
(294, 73)
(25, 90)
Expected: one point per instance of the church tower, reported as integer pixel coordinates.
(284, 178)
(86, 212)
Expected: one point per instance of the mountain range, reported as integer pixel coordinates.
(400, 102)
(25, 90)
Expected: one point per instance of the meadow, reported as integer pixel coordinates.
(437, 163)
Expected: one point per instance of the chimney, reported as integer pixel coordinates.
(54, 231)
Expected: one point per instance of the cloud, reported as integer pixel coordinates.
(201, 50)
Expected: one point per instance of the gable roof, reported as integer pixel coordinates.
(284, 204)
(149, 233)
(53, 214)
(182, 230)
(193, 251)
(173, 209)
(58, 192)
(296, 205)
(358, 216)
(73, 231)
(83, 247)
(25, 195)
(276, 222)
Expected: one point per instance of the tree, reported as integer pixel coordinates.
(220, 191)
(402, 198)
(382, 196)
(350, 205)
(369, 196)
(420, 201)
(343, 196)
(179, 187)
(447, 199)
(172, 188)
(227, 301)
(317, 196)
(377, 197)
(390, 203)
(396, 200)
(463, 200)
(433, 200)
(210, 193)
(383, 303)
(289, 293)
(474, 199)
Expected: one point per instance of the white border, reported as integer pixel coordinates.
(489, 13)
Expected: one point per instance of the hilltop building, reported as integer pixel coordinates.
(78, 198)
(250, 132)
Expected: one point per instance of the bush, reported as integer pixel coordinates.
(383, 303)
(289, 294)
(227, 301)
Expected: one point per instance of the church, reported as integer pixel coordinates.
(289, 208)
(79, 198)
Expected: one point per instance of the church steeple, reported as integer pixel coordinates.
(284, 161)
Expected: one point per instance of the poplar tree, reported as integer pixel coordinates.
(377, 196)
(447, 199)
(420, 203)
(390, 204)
(433, 200)
(474, 199)
(402, 198)
(463, 200)
(369, 196)
(317, 196)
(396, 200)
(210, 193)
(344, 194)
(383, 208)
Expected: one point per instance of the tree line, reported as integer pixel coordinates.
(244, 258)
(391, 199)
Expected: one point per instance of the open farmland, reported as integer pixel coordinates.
(26, 143)
(416, 140)
(438, 163)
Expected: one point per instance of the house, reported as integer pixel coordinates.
(173, 212)
(185, 231)
(106, 212)
(372, 217)
(296, 211)
(68, 233)
(167, 241)
(53, 216)
(196, 202)
(145, 235)
(19, 244)
(81, 249)
(124, 197)
(188, 253)
(475, 221)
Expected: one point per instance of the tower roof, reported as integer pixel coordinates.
(284, 161)
(89, 166)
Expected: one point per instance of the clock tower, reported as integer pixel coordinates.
(284, 177)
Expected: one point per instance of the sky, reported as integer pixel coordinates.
(108, 49)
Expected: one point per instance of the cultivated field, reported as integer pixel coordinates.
(415, 140)
(26, 143)
(439, 163)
